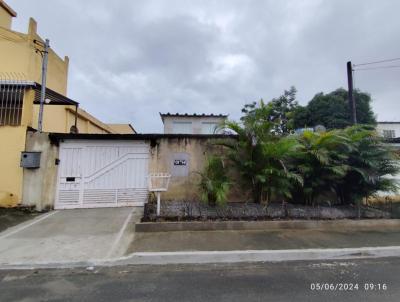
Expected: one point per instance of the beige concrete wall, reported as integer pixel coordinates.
(5, 17)
(59, 119)
(186, 188)
(23, 63)
(122, 128)
(39, 185)
(12, 143)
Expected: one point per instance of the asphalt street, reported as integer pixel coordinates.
(346, 280)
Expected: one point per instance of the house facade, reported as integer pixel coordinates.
(20, 75)
(192, 123)
(388, 130)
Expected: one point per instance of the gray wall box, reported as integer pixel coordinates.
(180, 164)
(30, 160)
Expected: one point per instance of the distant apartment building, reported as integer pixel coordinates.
(192, 123)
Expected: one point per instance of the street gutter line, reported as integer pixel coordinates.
(119, 235)
(7, 234)
(207, 257)
(258, 255)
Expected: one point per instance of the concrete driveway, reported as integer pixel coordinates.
(70, 235)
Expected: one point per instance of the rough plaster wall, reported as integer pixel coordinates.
(39, 185)
(185, 188)
(12, 143)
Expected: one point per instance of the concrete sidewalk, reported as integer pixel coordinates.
(263, 240)
(105, 237)
(70, 236)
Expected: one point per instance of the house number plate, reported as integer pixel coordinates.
(179, 162)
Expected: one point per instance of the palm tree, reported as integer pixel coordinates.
(262, 158)
(370, 162)
(322, 162)
(214, 182)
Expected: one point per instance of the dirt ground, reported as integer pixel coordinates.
(13, 216)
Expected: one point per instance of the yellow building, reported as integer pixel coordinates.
(20, 75)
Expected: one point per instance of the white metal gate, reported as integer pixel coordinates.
(96, 173)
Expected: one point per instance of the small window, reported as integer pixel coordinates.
(209, 128)
(389, 133)
(182, 127)
(11, 101)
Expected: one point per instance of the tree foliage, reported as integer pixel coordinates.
(370, 163)
(351, 163)
(260, 154)
(321, 161)
(274, 163)
(282, 111)
(332, 110)
(214, 182)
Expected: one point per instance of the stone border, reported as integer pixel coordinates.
(265, 225)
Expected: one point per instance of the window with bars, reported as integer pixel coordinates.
(11, 102)
(389, 133)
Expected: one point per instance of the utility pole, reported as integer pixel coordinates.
(352, 103)
(44, 54)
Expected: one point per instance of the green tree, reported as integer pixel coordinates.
(332, 110)
(301, 117)
(214, 183)
(322, 162)
(352, 163)
(282, 112)
(260, 155)
(371, 162)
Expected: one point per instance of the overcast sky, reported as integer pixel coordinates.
(130, 60)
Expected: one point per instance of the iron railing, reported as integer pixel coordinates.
(11, 101)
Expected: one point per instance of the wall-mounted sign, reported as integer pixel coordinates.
(180, 162)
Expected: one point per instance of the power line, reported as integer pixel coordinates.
(375, 68)
(377, 62)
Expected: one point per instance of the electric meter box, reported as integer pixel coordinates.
(30, 160)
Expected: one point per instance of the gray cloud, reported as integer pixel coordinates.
(132, 59)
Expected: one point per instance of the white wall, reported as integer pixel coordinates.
(199, 124)
(389, 126)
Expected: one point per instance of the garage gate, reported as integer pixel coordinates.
(96, 173)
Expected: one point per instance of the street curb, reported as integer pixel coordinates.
(264, 225)
(203, 257)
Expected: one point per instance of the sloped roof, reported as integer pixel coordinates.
(55, 97)
(199, 115)
(8, 8)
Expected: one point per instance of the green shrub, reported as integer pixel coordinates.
(347, 164)
(260, 155)
(352, 163)
(214, 182)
